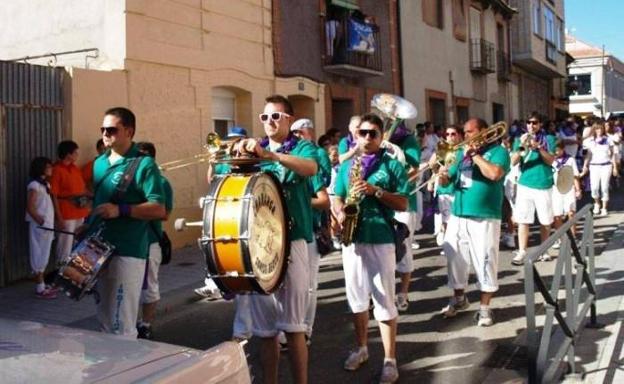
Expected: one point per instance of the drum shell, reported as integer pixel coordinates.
(226, 212)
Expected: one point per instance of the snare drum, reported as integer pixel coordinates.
(245, 240)
(88, 258)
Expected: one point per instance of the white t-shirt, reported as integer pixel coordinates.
(600, 153)
(570, 149)
(43, 204)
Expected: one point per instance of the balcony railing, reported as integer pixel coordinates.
(503, 66)
(352, 48)
(551, 52)
(482, 56)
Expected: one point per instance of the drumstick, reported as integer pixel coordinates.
(56, 230)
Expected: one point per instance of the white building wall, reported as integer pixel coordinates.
(610, 95)
(36, 27)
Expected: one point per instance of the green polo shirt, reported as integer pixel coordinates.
(155, 237)
(296, 191)
(534, 172)
(475, 195)
(411, 149)
(128, 235)
(373, 223)
(316, 184)
(448, 189)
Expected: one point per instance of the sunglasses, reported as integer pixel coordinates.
(109, 130)
(451, 133)
(372, 133)
(275, 116)
(533, 122)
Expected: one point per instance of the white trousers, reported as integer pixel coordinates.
(151, 293)
(314, 259)
(445, 203)
(472, 241)
(243, 325)
(119, 287)
(369, 271)
(64, 241)
(285, 309)
(406, 264)
(599, 177)
(40, 242)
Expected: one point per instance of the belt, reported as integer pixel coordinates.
(607, 163)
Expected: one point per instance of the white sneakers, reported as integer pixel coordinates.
(603, 212)
(518, 258)
(455, 306)
(596, 208)
(389, 373)
(402, 302)
(356, 359)
(484, 317)
(208, 293)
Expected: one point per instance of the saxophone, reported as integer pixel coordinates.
(351, 208)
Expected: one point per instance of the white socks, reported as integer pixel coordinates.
(40, 287)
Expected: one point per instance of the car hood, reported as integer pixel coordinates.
(36, 352)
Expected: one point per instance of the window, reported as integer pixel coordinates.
(549, 24)
(223, 110)
(433, 13)
(459, 19)
(580, 84)
(475, 23)
(537, 17)
(561, 36)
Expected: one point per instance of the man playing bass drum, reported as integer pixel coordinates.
(370, 262)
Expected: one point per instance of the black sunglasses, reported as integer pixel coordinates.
(109, 130)
(532, 122)
(373, 133)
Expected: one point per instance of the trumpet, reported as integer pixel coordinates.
(447, 152)
(216, 149)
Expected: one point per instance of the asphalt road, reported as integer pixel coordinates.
(429, 348)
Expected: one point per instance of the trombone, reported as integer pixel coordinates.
(216, 149)
(447, 152)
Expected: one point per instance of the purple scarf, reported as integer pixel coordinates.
(368, 163)
(540, 137)
(399, 134)
(560, 161)
(350, 142)
(287, 146)
(568, 130)
(602, 140)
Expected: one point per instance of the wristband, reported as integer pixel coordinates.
(124, 210)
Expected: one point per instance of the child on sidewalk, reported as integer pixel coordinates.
(40, 212)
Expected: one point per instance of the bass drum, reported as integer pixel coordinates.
(245, 233)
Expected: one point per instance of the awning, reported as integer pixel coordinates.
(350, 4)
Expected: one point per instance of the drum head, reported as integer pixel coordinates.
(565, 179)
(268, 237)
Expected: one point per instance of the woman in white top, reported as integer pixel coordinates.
(40, 212)
(600, 162)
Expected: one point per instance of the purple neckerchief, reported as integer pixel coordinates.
(540, 137)
(368, 163)
(399, 134)
(560, 161)
(287, 146)
(568, 130)
(602, 140)
(350, 142)
(467, 160)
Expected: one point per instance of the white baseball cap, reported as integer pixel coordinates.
(302, 124)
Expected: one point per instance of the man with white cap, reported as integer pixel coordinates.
(304, 129)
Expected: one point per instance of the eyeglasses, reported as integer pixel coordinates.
(451, 133)
(373, 133)
(275, 116)
(532, 122)
(110, 131)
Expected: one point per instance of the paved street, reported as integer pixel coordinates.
(430, 348)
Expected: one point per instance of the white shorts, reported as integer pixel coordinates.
(563, 204)
(473, 241)
(599, 178)
(151, 293)
(406, 265)
(119, 287)
(369, 271)
(530, 200)
(40, 245)
(284, 310)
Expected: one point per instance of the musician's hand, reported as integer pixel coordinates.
(471, 150)
(578, 194)
(107, 211)
(362, 187)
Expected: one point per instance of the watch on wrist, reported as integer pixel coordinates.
(379, 193)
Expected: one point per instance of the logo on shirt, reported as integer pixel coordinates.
(116, 177)
(379, 177)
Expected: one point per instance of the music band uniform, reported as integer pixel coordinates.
(120, 284)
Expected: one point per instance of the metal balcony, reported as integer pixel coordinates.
(482, 56)
(341, 59)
